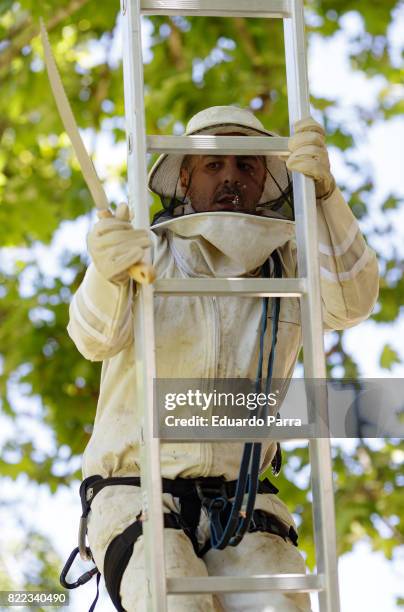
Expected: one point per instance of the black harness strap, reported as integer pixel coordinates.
(120, 551)
(270, 523)
(178, 487)
(266, 522)
(192, 494)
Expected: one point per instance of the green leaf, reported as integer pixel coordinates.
(388, 357)
(391, 203)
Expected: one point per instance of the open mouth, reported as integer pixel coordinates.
(228, 201)
(227, 197)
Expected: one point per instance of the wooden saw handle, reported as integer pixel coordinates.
(142, 273)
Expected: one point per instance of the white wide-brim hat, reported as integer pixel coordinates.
(164, 175)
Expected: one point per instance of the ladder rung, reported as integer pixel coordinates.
(219, 145)
(305, 432)
(297, 583)
(217, 8)
(242, 287)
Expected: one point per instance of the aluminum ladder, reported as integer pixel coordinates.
(306, 287)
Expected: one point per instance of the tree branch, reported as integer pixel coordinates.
(22, 34)
(253, 53)
(21, 23)
(175, 47)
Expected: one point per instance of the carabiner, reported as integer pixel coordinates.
(85, 552)
(83, 578)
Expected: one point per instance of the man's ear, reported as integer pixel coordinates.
(184, 178)
(264, 180)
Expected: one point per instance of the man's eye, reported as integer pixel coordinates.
(213, 165)
(246, 166)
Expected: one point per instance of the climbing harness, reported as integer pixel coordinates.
(193, 495)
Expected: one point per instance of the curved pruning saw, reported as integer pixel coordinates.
(141, 272)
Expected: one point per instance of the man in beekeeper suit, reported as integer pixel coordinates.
(225, 216)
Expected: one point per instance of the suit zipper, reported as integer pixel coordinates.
(216, 339)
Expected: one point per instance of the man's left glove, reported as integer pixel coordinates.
(310, 157)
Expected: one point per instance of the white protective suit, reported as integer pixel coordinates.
(204, 337)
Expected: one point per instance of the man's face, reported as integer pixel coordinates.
(224, 182)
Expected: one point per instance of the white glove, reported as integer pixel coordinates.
(115, 246)
(310, 157)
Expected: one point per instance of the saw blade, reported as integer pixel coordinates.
(90, 175)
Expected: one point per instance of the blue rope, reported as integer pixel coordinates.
(256, 458)
(247, 482)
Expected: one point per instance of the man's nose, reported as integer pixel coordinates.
(231, 171)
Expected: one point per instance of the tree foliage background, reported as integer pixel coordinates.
(191, 63)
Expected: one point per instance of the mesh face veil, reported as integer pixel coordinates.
(175, 206)
(164, 177)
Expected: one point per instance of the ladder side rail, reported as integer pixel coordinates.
(153, 530)
(314, 359)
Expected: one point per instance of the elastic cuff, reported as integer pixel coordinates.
(329, 193)
(104, 293)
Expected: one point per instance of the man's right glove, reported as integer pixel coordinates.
(115, 246)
